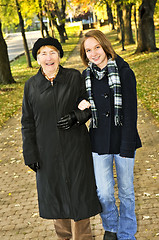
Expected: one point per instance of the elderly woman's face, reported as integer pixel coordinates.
(49, 59)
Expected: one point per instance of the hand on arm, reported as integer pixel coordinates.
(79, 115)
(76, 117)
(67, 121)
(84, 104)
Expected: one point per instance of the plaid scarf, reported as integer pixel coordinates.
(114, 84)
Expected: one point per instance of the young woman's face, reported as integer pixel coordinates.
(95, 52)
(49, 59)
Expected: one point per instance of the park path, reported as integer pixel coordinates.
(15, 44)
(19, 217)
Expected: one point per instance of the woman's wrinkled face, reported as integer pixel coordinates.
(49, 59)
(95, 52)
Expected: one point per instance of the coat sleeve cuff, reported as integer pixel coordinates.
(30, 158)
(82, 116)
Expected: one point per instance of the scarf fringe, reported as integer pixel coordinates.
(118, 120)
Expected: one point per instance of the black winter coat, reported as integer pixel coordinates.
(107, 138)
(65, 181)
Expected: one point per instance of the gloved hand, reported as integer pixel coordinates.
(34, 166)
(67, 121)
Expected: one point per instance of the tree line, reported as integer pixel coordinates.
(143, 21)
(17, 11)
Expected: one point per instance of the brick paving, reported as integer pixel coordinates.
(19, 217)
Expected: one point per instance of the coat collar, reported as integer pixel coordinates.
(43, 84)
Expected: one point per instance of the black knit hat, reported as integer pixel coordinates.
(45, 42)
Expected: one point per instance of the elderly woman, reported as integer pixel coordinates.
(56, 143)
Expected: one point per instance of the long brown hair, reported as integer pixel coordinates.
(103, 41)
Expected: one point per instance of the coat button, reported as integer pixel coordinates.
(106, 95)
(107, 114)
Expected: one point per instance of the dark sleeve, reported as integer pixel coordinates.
(30, 151)
(83, 93)
(129, 97)
(85, 115)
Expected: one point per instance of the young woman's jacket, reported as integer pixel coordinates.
(107, 138)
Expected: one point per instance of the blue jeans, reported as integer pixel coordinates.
(123, 222)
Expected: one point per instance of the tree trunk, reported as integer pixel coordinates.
(127, 24)
(62, 32)
(42, 26)
(39, 15)
(5, 71)
(51, 30)
(136, 28)
(21, 23)
(60, 15)
(60, 27)
(146, 31)
(110, 16)
(121, 23)
(118, 28)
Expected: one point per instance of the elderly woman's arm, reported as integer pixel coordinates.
(77, 117)
(81, 114)
(30, 150)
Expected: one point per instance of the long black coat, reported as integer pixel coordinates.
(65, 182)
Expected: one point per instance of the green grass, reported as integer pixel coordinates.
(11, 95)
(144, 65)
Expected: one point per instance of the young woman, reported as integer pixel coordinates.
(111, 87)
(56, 143)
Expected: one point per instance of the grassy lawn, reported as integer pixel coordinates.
(144, 65)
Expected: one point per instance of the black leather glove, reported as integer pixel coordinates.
(67, 121)
(34, 166)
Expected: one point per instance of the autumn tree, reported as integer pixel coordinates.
(135, 22)
(146, 29)
(43, 28)
(108, 4)
(12, 14)
(21, 23)
(55, 11)
(83, 6)
(120, 30)
(127, 13)
(5, 71)
(110, 16)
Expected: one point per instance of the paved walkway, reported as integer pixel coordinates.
(19, 217)
(15, 44)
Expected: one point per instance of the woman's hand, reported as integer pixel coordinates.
(67, 121)
(84, 104)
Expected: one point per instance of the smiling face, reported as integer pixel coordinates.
(95, 52)
(49, 59)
